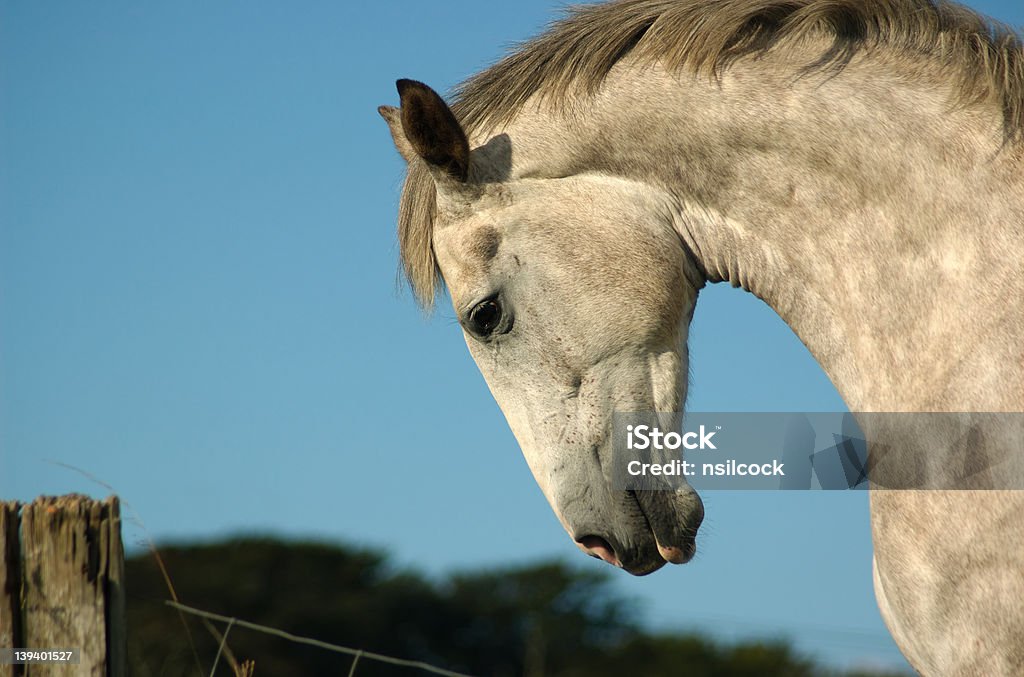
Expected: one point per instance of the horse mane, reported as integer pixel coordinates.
(577, 52)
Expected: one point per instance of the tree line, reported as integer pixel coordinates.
(543, 619)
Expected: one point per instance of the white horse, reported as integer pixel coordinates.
(857, 164)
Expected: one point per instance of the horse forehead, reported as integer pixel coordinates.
(466, 251)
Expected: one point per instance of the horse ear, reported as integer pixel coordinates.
(429, 129)
(393, 117)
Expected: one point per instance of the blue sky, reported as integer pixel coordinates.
(199, 306)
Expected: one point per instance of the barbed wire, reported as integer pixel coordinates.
(357, 654)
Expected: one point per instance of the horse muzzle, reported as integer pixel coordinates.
(647, 530)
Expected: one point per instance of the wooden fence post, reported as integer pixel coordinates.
(62, 583)
(10, 581)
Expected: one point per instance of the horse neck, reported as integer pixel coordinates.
(859, 207)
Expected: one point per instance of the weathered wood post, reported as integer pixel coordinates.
(62, 583)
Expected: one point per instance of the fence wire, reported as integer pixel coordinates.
(356, 654)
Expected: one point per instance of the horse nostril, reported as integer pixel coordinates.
(595, 546)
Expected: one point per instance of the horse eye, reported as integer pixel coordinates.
(485, 317)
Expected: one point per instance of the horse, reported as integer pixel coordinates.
(856, 164)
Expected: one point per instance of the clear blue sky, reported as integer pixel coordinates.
(198, 305)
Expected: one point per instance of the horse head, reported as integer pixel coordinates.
(574, 295)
